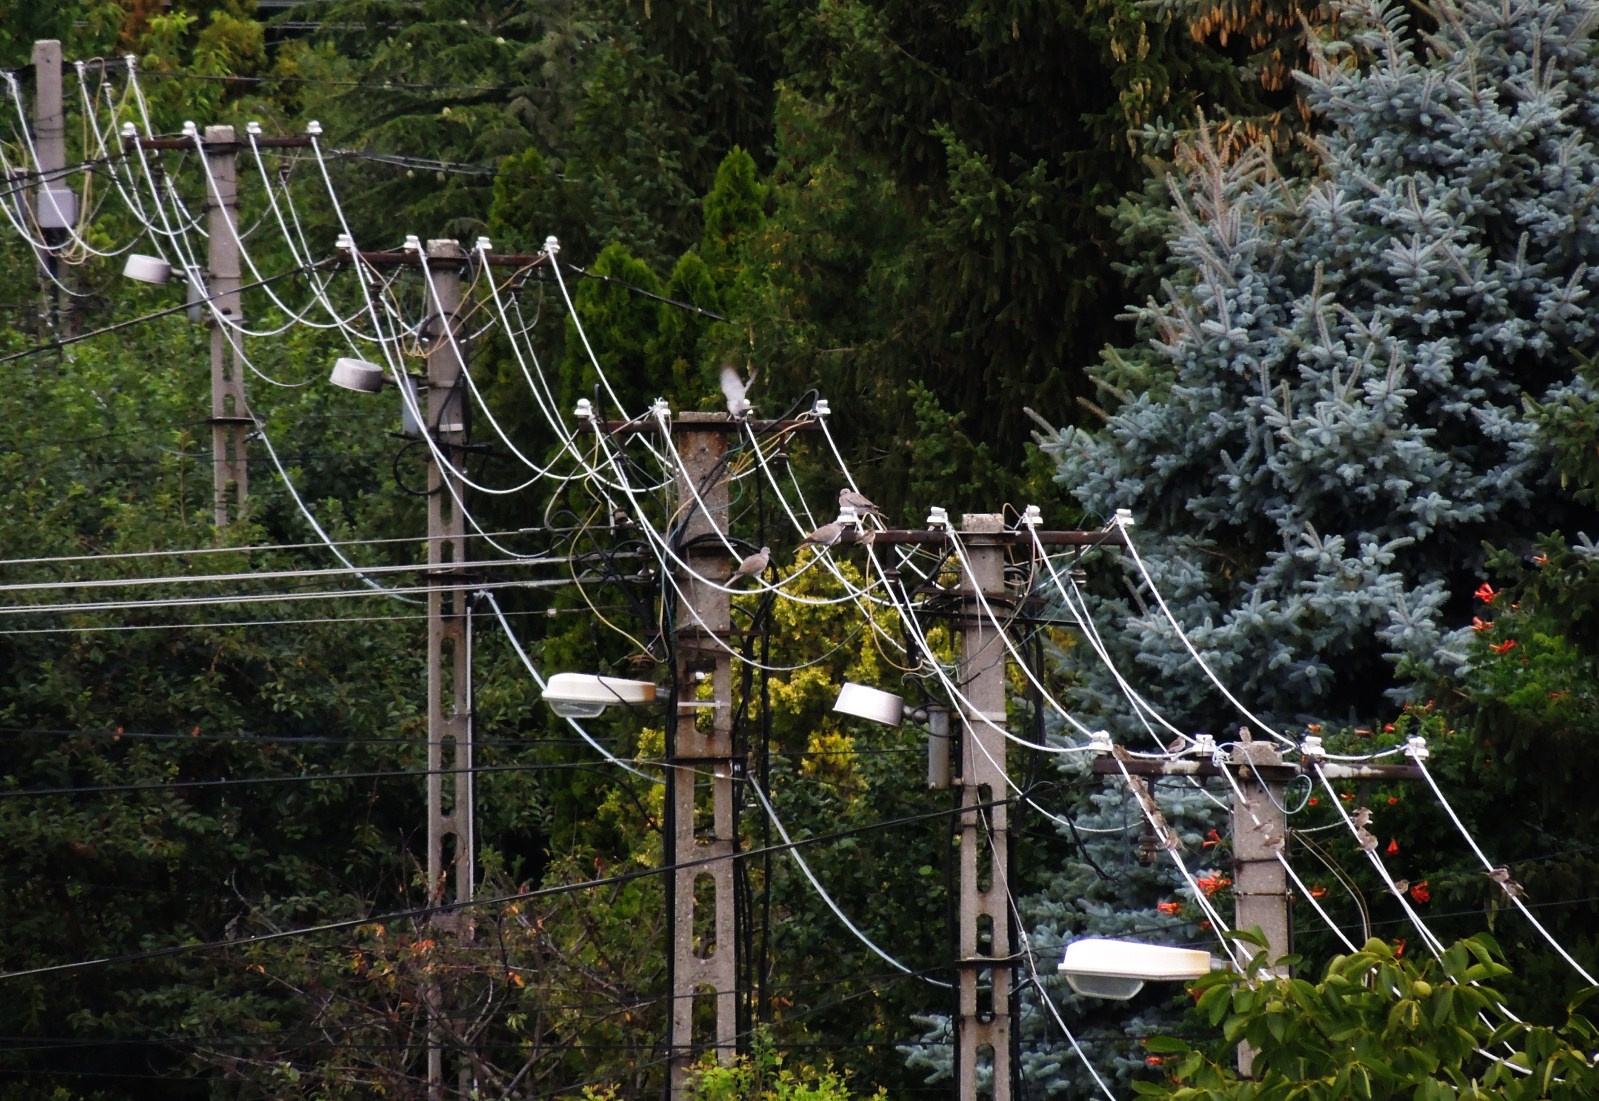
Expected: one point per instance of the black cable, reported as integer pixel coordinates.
(689, 306)
(119, 326)
(244, 781)
(376, 85)
(257, 739)
(444, 908)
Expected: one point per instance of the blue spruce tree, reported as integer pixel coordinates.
(1327, 419)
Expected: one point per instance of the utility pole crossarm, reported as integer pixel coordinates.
(938, 537)
(1259, 827)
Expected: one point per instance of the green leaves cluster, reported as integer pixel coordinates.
(1376, 1026)
(765, 1075)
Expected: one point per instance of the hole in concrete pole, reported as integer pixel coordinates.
(704, 915)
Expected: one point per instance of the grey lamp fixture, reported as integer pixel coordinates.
(369, 378)
(1102, 968)
(584, 695)
(357, 374)
(875, 705)
(147, 269)
(156, 270)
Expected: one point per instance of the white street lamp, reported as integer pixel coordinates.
(1102, 968)
(583, 695)
(875, 705)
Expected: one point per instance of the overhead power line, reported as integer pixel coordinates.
(299, 778)
(426, 912)
(65, 341)
(374, 85)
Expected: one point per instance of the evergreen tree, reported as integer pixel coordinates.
(1331, 413)
(609, 117)
(999, 134)
(1334, 419)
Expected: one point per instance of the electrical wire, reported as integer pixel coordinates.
(298, 778)
(1512, 893)
(1124, 522)
(426, 912)
(62, 585)
(84, 607)
(821, 892)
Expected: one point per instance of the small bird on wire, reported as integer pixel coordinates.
(1501, 876)
(826, 535)
(735, 389)
(848, 498)
(753, 566)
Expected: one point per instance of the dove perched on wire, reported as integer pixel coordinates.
(753, 566)
(734, 389)
(1501, 876)
(848, 498)
(826, 535)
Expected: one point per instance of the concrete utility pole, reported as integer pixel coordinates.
(1260, 831)
(985, 967)
(450, 843)
(230, 415)
(55, 206)
(701, 767)
(985, 1036)
(230, 419)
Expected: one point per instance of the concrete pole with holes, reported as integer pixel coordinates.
(55, 206)
(983, 1026)
(701, 767)
(450, 843)
(230, 418)
(1260, 832)
(1260, 828)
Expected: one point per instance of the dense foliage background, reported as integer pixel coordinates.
(1351, 408)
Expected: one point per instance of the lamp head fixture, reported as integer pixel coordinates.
(871, 704)
(875, 705)
(584, 695)
(1117, 969)
(357, 374)
(147, 269)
